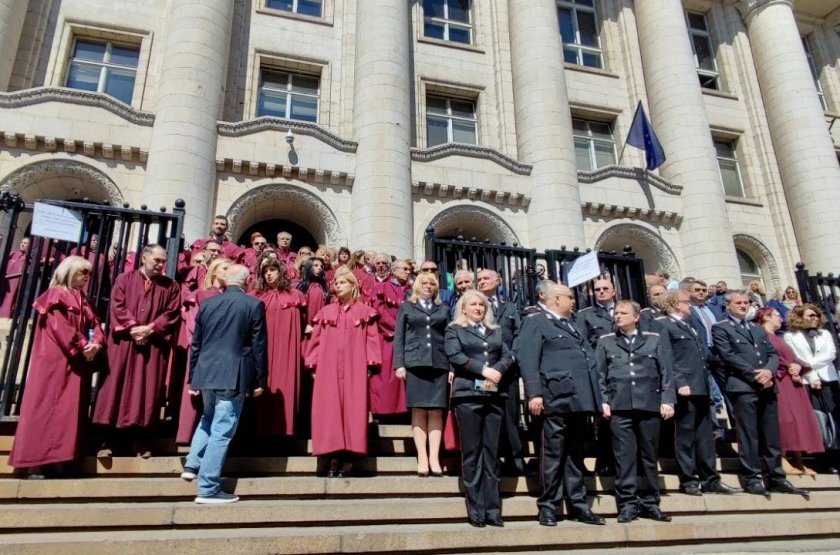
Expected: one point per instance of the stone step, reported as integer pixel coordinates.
(425, 538)
(307, 487)
(321, 512)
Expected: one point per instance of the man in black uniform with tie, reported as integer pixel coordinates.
(558, 369)
(749, 362)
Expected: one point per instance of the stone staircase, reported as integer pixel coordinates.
(132, 505)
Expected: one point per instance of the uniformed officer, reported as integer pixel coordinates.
(558, 369)
(656, 294)
(749, 363)
(479, 358)
(635, 376)
(694, 442)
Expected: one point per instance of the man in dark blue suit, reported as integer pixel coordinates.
(228, 360)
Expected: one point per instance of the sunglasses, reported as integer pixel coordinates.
(810, 315)
(428, 269)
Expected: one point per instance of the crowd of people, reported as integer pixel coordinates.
(321, 343)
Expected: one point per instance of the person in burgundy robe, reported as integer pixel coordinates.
(9, 286)
(89, 252)
(387, 392)
(218, 234)
(343, 349)
(68, 338)
(284, 249)
(317, 291)
(277, 408)
(252, 253)
(189, 407)
(145, 313)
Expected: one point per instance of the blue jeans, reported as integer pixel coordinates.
(211, 439)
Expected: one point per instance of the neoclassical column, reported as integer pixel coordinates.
(12, 14)
(182, 155)
(381, 216)
(678, 115)
(544, 125)
(804, 150)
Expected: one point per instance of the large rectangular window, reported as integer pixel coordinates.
(304, 7)
(104, 67)
(450, 120)
(704, 52)
(448, 20)
(288, 95)
(578, 21)
(594, 144)
(812, 64)
(730, 170)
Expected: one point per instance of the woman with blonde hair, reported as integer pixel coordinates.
(757, 294)
(479, 357)
(420, 359)
(791, 297)
(67, 340)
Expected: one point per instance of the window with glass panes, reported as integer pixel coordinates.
(730, 170)
(594, 144)
(750, 271)
(704, 53)
(813, 65)
(448, 20)
(450, 120)
(288, 95)
(104, 67)
(579, 30)
(305, 7)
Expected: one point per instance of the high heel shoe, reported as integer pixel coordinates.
(434, 474)
(422, 474)
(789, 469)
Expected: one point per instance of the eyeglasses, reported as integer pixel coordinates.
(811, 315)
(699, 290)
(260, 244)
(428, 269)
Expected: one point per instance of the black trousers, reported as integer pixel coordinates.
(757, 423)
(510, 446)
(480, 421)
(694, 442)
(561, 462)
(635, 439)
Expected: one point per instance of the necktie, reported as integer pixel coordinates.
(147, 286)
(480, 329)
(494, 302)
(427, 305)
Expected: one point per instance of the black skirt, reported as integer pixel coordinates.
(426, 388)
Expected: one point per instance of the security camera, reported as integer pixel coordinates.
(290, 137)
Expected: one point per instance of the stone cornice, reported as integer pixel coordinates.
(90, 149)
(259, 170)
(638, 174)
(656, 217)
(472, 151)
(443, 190)
(749, 8)
(40, 95)
(266, 123)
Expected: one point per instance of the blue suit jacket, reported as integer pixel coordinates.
(228, 348)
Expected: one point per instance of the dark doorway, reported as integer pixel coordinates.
(270, 229)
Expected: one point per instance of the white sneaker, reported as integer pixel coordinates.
(220, 497)
(189, 474)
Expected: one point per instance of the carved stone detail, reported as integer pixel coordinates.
(757, 249)
(32, 174)
(473, 151)
(473, 221)
(646, 245)
(748, 8)
(638, 174)
(39, 95)
(656, 217)
(266, 123)
(443, 190)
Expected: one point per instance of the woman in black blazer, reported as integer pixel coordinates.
(478, 357)
(420, 360)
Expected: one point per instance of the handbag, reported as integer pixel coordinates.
(827, 425)
(451, 433)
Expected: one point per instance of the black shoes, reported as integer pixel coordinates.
(655, 513)
(757, 488)
(587, 517)
(476, 523)
(787, 487)
(628, 514)
(547, 517)
(721, 488)
(691, 490)
(497, 522)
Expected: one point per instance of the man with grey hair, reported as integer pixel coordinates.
(284, 250)
(463, 279)
(382, 267)
(228, 361)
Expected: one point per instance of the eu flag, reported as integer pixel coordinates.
(642, 136)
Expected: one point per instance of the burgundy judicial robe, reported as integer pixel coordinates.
(130, 394)
(56, 397)
(277, 406)
(230, 250)
(387, 392)
(343, 345)
(9, 286)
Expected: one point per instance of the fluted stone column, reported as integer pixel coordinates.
(544, 125)
(182, 156)
(381, 215)
(679, 117)
(804, 150)
(12, 14)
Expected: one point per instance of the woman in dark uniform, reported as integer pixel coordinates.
(420, 359)
(478, 357)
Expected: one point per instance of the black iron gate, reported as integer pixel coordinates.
(821, 290)
(122, 233)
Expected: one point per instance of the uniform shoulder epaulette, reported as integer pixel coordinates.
(727, 321)
(588, 308)
(532, 314)
(653, 333)
(607, 335)
(663, 317)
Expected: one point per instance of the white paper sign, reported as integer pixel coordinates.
(583, 269)
(56, 222)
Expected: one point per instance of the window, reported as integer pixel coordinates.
(104, 67)
(730, 171)
(579, 31)
(813, 65)
(288, 95)
(304, 7)
(594, 144)
(448, 20)
(704, 53)
(450, 120)
(749, 269)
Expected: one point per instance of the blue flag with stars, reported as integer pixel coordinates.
(642, 136)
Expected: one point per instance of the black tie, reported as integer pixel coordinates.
(495, 303)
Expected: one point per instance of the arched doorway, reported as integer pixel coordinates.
(646, 244)
(472, 223)
(270, 228)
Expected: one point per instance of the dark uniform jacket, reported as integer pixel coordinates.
(469, 352)
(418, 336)
(637, 376)
(742, 352)
(688, 354)
(647, 316)
(557, 364)
(595, 321)
(508, 319)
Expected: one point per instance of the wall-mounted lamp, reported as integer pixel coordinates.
(290, 137)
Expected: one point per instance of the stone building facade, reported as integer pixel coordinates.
(500, 120)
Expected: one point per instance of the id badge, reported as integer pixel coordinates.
(484, 385)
